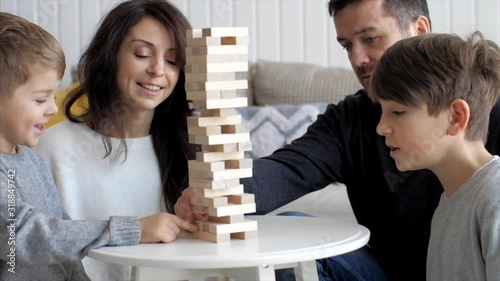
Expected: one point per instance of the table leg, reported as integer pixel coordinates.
(306, 271)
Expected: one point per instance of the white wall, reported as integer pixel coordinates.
(282, 30)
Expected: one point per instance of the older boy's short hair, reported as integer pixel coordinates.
(24, 46)
(435, 69)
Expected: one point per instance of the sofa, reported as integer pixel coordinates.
(284, 99)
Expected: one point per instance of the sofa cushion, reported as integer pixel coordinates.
(299, 83)
(271, 127)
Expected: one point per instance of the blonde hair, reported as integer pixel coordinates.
(24, 46)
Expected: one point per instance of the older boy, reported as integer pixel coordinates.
(38, 240)
(436, 93)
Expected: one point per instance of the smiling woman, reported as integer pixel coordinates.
(127, 153)
(146, 71)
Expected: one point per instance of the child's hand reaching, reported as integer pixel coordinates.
(163, 227)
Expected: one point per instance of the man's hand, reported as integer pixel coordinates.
(184, 209)
(163, 227)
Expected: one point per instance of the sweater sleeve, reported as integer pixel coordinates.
(490, 228)
(309, 163)
(42, 234)
(492, 243)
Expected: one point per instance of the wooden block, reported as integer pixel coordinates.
(210, 77)
(219, 139)
(225, 31)
(207, 184)
(212, 237)
(199, 41)
(217, 50)
(245, 198)
(214, 121)
(235, 40)
(218, 201)
(217, 67)
(232, 183)
(215, 185)
(245, 235)
(215, 193)
(235, 129)
(218, 85)
(209, 202)
(217, 95)
(221, 175)
(204, 59)
(245, 146)
(228, 94)
(209, 193)
(218, 112)
(238, 164)
(218, 156)
(208, 166)
(232, 210)
(202, 227)
(221, 228)
(205, 131)
(221, 103)
(228, 147)
(194, 33)
(217, 41)
(228, 219)
(203, 95)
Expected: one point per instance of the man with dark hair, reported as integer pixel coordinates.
(403, 11)
(343, 146)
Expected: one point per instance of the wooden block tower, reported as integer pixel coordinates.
(213, 57)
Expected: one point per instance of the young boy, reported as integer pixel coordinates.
(436, 93)
(38, 240)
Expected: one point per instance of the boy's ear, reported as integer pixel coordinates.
(422, 25)
(460, 115)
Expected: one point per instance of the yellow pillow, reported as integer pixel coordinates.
(77, 108)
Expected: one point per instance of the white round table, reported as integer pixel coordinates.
(281, 240)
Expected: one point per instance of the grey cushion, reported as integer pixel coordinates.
(271, 127)
(299, 83)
